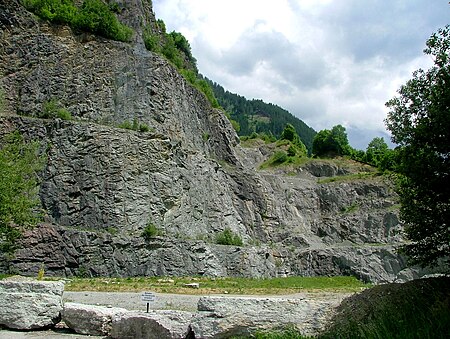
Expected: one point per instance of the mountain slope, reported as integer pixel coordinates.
(260, 117)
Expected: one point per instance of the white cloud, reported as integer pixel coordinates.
(328, 62)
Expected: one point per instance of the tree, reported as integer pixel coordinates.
(375, 151)
(297, 147)
(419, 120)
(19, 162)
(331, 142)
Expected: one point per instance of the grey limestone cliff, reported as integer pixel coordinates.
(188, 175)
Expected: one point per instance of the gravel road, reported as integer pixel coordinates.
(132, 301)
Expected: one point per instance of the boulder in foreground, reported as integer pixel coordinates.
(30, 304)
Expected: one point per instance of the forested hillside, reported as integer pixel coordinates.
(260, 117)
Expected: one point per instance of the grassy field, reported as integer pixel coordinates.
(249, 286)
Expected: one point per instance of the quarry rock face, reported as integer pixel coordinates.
(187, 176)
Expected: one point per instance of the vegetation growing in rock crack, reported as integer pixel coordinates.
(92, 16)
(134, 126)
(151, 231)
(19, 204)
(53, 109)
(228, 237)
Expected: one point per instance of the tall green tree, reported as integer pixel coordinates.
(19, 203)
(419, 120)
(297, 148)
(331, 142)
(376, 149)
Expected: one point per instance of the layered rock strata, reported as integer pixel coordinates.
(187, 176)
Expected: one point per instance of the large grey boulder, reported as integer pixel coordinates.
(90, 319)
(153, 325)
(30, 304)
(222, 317)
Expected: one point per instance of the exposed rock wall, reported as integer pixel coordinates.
(188, 176)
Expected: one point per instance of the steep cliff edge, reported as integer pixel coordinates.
(187, 175)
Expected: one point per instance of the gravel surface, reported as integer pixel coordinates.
(132, 301)
(183, 302)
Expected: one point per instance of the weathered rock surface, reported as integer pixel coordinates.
(155, 324)
(216, 317)
(223, 317)
(30, 304)
(188, 176)
(90, 319)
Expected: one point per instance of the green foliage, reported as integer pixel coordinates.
(52, 109)
(236, 125)
(135, 125)
(170, 51)
(41, 272)
(379, 155)
(234, 285)
(201, 84)
(204, 87)
(256, 116)
(205, 136)
(161, 26)
(19, 163)
(96, 17)
(126, 125)
(183, 46)
(297, 147)
(175, 48)
(267, 138)
(329, 143)
(420, 124)
(151, 40)
(350, 209)
(417, 309)
(279, 157)
(284, 333)
(93, 16)
(227, 237)
(143, 128)
(151, 231)
(289, 149)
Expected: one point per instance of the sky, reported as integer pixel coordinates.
(327, 62)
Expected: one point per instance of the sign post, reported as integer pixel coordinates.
(147, 297)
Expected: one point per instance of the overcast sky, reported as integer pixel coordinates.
(327, 62)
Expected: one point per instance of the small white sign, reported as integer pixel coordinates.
(147, 297)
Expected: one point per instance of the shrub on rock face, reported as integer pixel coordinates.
(227, 237)
(19, 202)
(52, 109)
(93, 16)
(151, 231)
